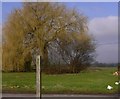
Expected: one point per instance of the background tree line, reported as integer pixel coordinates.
(58, 34)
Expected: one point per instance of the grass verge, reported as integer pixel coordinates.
(91, 81)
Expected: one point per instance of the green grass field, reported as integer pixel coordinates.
(91, 81)
(18, 82)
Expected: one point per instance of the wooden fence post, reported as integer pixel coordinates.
(38, 76)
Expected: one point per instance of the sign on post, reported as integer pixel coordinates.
(38, 76)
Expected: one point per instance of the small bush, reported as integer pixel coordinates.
(62, 69)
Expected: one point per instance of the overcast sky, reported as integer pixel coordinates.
(102, 22)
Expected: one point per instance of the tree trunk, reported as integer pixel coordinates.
(45, 60)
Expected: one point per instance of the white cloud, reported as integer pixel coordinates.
(0, 33)
(105, 30)
(107, 53)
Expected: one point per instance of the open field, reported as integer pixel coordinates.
(18, 82)
(91, 81)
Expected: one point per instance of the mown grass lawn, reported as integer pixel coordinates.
(91, 81)
(18, 82)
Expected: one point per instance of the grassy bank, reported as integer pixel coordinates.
(91, 81)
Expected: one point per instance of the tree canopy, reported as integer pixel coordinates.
(46, 29)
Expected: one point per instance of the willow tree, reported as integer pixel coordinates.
(35, 27)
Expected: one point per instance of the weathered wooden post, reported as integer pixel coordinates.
(38, 76)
